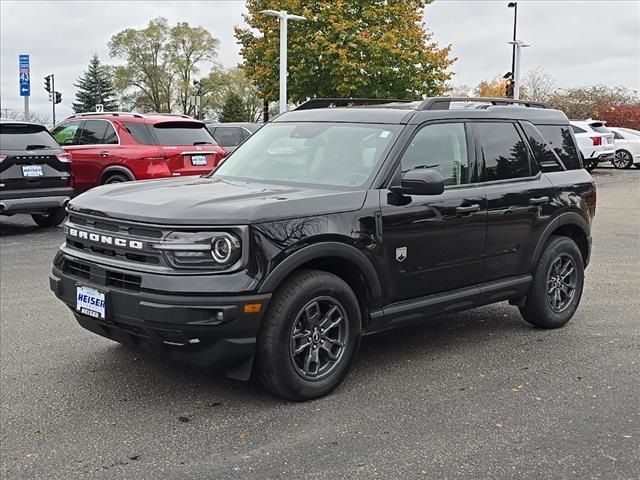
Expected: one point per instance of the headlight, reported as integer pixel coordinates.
(212, 250)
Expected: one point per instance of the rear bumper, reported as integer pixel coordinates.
(26, 201)
(197, 329)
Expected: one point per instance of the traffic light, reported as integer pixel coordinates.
(50, 96)
(47, 83)
(58, 97)
(509, 88)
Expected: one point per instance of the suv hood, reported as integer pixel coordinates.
(212, 201)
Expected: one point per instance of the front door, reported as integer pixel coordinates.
(435, 243)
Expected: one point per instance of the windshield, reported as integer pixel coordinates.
(25, 137)
(331, 154)
(182, 133)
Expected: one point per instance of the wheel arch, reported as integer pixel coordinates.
(112, 169)
(344, 261)
(570, 225)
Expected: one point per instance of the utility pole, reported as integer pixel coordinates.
(518, 45)
(53, 99)
(284, 17)
(514, 5)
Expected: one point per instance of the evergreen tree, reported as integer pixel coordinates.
(95, 87)
(233, 109)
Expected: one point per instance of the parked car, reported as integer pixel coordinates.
(627, 146)
(330, 224)
(230, 135)
(35, 173)
(118, 147)
(595, 142)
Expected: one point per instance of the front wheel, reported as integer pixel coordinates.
(52, 218)
(622, 160)
(309, 337)
(557, 285)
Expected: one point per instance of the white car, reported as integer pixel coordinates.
(595, 142)
(627, 143)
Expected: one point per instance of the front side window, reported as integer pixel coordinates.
(328, 154)
(66, 134)
(441, 147)
(504, 152)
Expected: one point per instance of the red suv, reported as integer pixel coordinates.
(118, 147)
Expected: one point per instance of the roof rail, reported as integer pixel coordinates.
(89, 114)
(444, 103)
(344, 102)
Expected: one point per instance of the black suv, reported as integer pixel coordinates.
(35, 173)
(329, 224)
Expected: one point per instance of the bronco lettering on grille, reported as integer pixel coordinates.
(105, 239)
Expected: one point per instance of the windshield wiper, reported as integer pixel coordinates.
(421, 166)
(36, 147)
(201, 143)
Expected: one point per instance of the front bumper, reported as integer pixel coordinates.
(29, 201)
(200, 328)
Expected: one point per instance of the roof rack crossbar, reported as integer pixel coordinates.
(315, 103)
(444, 103)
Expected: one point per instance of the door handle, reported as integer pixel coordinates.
(471, 208)
(539, 201)
(104, 153)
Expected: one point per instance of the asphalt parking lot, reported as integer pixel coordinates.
(479, 394)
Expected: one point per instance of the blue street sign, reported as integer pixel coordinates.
(25, 75)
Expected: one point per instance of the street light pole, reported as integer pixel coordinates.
(514, 5)
(283, 17)
(518, 45)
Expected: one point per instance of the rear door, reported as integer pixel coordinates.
(31, 159)
(188, 147)
(519, 198)
(435, 243)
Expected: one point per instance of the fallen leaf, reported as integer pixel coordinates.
(183, 419)
(626, 436)
(243, 436)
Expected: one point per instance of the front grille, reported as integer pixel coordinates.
(77, 269)
(101, 276)
(123, 280)
(109, 239)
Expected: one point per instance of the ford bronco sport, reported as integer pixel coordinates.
(333, 223)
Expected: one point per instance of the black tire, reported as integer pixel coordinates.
(115, 178)
(590, 165)
(622, 160)
(52, 218)
(541, 307)
(277, 367)
(637, 165)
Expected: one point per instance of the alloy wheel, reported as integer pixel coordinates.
(622, 160)
(319, 338)
(562, 281)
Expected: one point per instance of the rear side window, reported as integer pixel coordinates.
(182, 133)
(93, 132)
(25, 137)
(110, 136)
(140, 132)
(560, 139)
(617, 136)
(228, 136)
(504, 152)
(578, 129)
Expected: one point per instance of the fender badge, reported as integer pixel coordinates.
(401, 254)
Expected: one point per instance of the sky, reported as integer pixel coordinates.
(578, 43)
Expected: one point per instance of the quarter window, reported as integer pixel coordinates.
(504, 152)
(441, 147)
(560, 139)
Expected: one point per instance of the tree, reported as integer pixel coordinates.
(219, 83)
(375, 49)
(627, 116)
(160, 62)
(233, 109)
(587, 102)
(188, 47)
(538, 86)
(496, 88)
(95, 87)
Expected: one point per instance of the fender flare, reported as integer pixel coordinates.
(322, 250)
(568, 218)
(116, 169)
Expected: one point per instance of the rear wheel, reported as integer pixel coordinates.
(115, 178)
(557, 285)
(590, 165)
(309, 337)
(622, 160)
(52, 218)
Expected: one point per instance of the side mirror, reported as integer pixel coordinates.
(420, 181)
